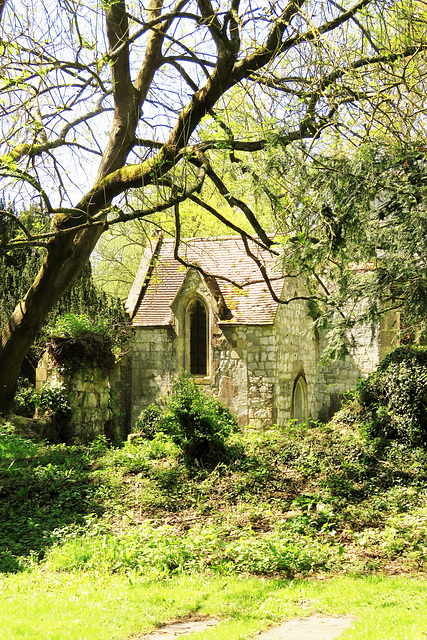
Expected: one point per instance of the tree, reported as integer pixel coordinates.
(367, 240)
(131, 86)
(20, 267)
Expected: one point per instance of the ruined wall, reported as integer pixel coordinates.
(371, 346)
(121, 394)
(87, 390)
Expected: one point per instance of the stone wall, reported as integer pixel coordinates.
(89, 398)
(121, 389)
(297, 354)
(371, 346)
(243, 359)
(88, 392)
(153, 366)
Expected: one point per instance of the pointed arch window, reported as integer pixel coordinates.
(198, 318)
(299, 399)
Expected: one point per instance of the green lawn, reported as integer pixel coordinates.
(44, 605)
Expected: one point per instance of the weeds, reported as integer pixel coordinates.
(301, 500)
(43, 488)
(196, 422)
(160, 551)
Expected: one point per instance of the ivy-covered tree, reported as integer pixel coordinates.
(19, 268)
(354, 225)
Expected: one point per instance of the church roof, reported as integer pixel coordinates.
(224, 260)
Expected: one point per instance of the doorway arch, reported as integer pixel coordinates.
(299, 399)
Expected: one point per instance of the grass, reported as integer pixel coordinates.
(99, 542)
(43, 605)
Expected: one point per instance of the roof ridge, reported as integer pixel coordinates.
(204, 238)
(216, 238)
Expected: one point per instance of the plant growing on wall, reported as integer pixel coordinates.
(78, 341)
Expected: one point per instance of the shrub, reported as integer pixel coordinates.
(53, 399)
(393, 400)
(148, 421)
(25, 398)
(197, 422)
(77, 340)
(72, 325)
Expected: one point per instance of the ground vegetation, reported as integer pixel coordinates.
(303, 500)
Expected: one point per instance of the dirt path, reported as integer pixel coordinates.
(313, 628)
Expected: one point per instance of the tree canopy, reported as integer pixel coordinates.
(353, 224)
(166, 97)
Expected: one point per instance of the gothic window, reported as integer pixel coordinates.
(299, 399)
(198, 339)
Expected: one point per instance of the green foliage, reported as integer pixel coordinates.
(44, 489)
(301, 499)
(158, 552)
(196, 421)
(78, 340)
(24, 403)
(12, 445)
(353, 223)
(392, 401)
(148, 421)
(53, 399)
(73, 325)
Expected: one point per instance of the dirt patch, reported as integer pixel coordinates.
(178, 629)
(313, 628)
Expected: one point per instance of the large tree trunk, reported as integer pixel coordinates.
(2, 6)
(68, 253)
(66, 257)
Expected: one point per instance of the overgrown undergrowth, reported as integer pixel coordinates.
(301, 500)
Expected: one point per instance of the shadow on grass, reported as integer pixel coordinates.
(42, 491)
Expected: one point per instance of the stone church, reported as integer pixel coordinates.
(217, 320)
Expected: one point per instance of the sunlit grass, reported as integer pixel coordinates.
(46, 605)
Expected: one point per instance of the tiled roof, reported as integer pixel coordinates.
(149, 301)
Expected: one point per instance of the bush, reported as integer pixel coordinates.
(73, 325)
(25, 398)
(148, 421)
(76, 340)
(53, 400)
(198, 423)
(393, 400)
